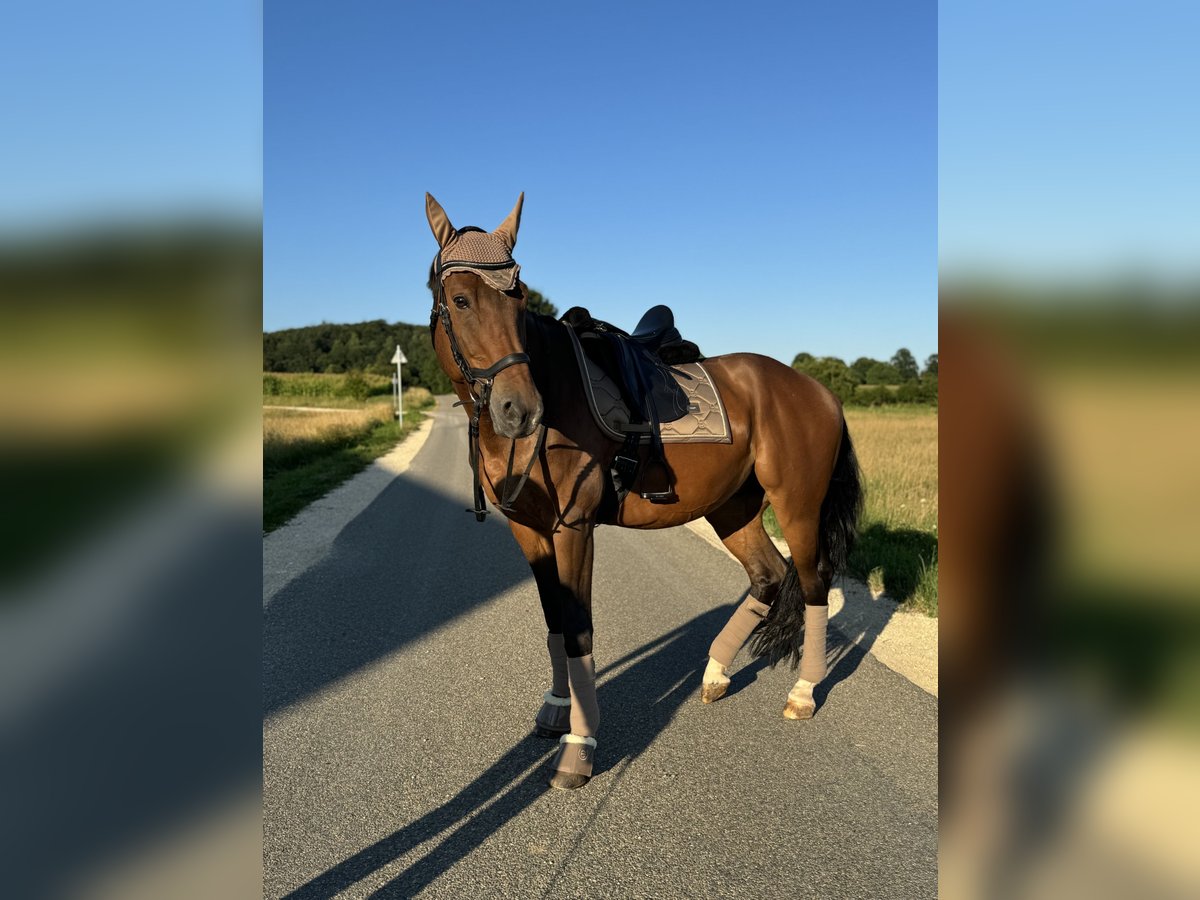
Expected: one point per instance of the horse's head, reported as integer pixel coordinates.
(479, 309)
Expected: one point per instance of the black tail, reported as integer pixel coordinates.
(842, 506)
(781, 635)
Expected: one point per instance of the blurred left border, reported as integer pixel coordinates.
(130, 466)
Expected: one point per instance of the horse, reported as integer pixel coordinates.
(542, 460)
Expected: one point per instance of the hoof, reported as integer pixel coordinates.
(795, 710)
(568, 781)
(544, 732)
(711, 692)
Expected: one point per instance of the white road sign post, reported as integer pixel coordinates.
(397, 383)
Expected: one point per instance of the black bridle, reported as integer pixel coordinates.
(479, 386)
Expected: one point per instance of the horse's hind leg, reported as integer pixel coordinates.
(801, 526)
(739, 526)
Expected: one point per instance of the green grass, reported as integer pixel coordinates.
(354, 385)
(299, 472)
(327, 402)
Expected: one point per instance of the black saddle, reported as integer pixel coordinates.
(640, 365)
(656, 332)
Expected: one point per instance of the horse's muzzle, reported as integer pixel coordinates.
(513, 417)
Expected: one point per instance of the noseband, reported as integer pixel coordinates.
(479, 386)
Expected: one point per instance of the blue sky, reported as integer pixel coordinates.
(133, 109)
(1068, 138)
(768, 170)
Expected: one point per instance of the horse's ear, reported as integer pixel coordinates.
(507, 231)
(438, 220)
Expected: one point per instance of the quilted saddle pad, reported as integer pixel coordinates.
(706, 421)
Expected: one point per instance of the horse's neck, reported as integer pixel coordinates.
(552, 365)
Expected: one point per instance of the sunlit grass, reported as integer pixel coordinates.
(897, 547)
(307, 454)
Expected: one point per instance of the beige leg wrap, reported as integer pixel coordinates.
(743, 621)
(577, 750)
(558, 665)
(812, 663)
(800, 702)
(585, 710)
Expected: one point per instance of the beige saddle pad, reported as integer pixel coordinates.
(706, 421)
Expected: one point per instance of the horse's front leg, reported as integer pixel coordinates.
(573, 554)
(554, 717)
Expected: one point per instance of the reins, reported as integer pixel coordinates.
(483, 378)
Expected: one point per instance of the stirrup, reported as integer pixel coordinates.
(665, 496)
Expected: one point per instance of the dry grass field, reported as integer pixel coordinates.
(897, 549)
(897, 449)
(291, 433)
(307, 453)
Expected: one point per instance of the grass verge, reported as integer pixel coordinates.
(897, 549)
(306, 455)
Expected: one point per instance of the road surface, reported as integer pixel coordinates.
(402, 671)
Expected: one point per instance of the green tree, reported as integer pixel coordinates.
(931, 365)
(831, 372)
(862, 366)
(336, 360)
(801, 360)
(537, 302)
(905, 364)
(929, 388)
(423, 368)
(883, 373)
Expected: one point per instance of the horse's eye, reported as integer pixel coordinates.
(461, 302)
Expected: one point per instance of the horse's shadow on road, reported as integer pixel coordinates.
(639, 694)
(367, 597)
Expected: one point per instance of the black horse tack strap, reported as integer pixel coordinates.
(479, 381)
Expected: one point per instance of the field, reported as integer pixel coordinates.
(308, 452)
(348, 391)
(897, 545)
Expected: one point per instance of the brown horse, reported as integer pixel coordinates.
(542, 459)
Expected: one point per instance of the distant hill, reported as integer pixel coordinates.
(366, 347)
(357, 347)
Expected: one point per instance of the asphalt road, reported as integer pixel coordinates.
(402, 671)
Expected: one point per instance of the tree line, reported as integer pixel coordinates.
(366, 347)
(873, 382)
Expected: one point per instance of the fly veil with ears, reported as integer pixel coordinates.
(488, 255)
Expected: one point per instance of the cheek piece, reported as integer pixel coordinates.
(479, 381)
